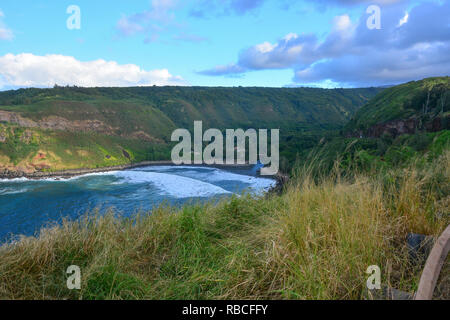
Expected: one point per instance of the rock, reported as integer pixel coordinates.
(419, 247)
(282, 180)
(395, 128)
(388, 293)
(57, 123)
(126, 154)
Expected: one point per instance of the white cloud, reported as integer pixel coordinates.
(342, 23)
(265, 47)
(403, 20)
(290, 36)
(390, 66)
(29, 70)
(5, 32)
(351, 54)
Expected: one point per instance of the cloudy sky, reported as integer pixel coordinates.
(325, 43)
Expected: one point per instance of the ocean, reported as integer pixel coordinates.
(28, 205)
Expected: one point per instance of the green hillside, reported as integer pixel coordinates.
(399, 126)
(422, 100)
(72, 127)
(218, 107)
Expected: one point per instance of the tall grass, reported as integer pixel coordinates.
(315, 241)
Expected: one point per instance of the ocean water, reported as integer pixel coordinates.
(27, 205)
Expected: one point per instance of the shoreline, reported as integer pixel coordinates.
(280, 178)
(6, 174)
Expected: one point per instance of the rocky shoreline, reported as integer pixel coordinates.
(282, 179)
(7, 174)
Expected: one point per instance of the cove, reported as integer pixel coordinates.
(28, 205)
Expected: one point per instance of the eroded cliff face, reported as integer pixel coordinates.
(12, 117)
(396, 128)
(57, 123)
(141, 135)
(393, 128)
(25, 148)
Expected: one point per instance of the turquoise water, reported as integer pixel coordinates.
(27, 205)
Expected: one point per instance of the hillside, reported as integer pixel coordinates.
(422, 105)
(396, 127)
(72, 127)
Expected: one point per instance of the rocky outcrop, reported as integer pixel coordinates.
(12, 117)
(393, 128)
(398, 127)
(57, 123)
(60, 123)
(437, 124)
(281, 179)
(141, 135)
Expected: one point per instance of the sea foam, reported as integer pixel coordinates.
(256, 185)
(170, 184)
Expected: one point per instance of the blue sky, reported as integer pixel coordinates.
(222, 43)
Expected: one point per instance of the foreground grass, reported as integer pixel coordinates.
(315, 241)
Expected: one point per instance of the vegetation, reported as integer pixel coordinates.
(314, 241)
(378, 154)
(350, 203)
(423, 99)
(180, 106)
(61, 150)
(424, 104)
(91, 127)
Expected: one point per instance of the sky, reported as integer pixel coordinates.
(270, 43)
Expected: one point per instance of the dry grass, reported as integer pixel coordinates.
(315, 241)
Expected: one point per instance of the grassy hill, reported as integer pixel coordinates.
(398, 126)
(218, 107)
(71, 127)
(422, 100)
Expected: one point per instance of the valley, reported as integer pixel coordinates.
(72, 128)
